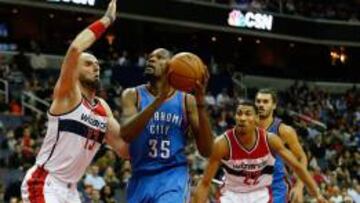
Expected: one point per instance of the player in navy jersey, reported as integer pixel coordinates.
(266, 101)
(247, 154)
(157, 119)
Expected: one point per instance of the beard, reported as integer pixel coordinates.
(90, 84)
(264, 115)
(150, 76)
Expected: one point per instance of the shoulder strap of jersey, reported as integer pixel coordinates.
(277, 122)
(261, 136)
(184, 106)
(229, 136)
(266, 141)
(139, 91)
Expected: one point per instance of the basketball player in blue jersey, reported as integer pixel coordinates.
(157, 120)
(266, 101)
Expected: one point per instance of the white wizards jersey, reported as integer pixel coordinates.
(248, 170)
(72, 140)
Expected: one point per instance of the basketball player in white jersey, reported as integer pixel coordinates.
(246, 153)
(79, 122)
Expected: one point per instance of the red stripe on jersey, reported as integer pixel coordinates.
(98, 109)
(270, 195)
(259, 150)
(36, 185)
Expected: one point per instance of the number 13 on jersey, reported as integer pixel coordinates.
(159, 148)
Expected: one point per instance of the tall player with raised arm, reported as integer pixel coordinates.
(79, 122)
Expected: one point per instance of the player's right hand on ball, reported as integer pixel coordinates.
(200, 86)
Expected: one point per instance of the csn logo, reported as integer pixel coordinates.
(78, 2)
(250, 20)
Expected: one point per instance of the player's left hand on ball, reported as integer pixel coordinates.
(200, 86)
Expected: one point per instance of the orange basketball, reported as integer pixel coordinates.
(185, 69)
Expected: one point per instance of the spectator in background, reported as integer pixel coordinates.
(336, 197)
(3, 106)
(242, 4)
(15, 108)
(14, 200)
(15, 76)
(111, 178)
(4, 67)
(223, 98)
(38, 60)
(107, 195)
(22, 63)
(210, 99)
(27, 144)
(125, 173)
(86, 194)
(2, 192)
(141, 60)
(318, 176)
(221, 123)
(13, 191)
(290, 7)
(124, 60)
(354, 192)
(94, 179)
(318, 150)
(95, 197)
(257, 5)
(108, 159)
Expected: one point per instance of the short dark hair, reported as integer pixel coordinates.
(248, 103)
(270, 91)
(168, 53)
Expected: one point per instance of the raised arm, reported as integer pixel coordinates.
(67, 92)
(134, 122)
(112, 136)
(220, 151)
(277, 145)
(199, 119)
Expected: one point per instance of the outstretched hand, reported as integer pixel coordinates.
(111, 11)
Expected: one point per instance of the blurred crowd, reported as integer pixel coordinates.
(328, 126)
(347, 10)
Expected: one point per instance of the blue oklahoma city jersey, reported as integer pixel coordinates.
(279, 185)
(162, 143)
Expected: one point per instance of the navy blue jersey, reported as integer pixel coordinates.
(279, 172)
(280, 186)
(162, 143)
